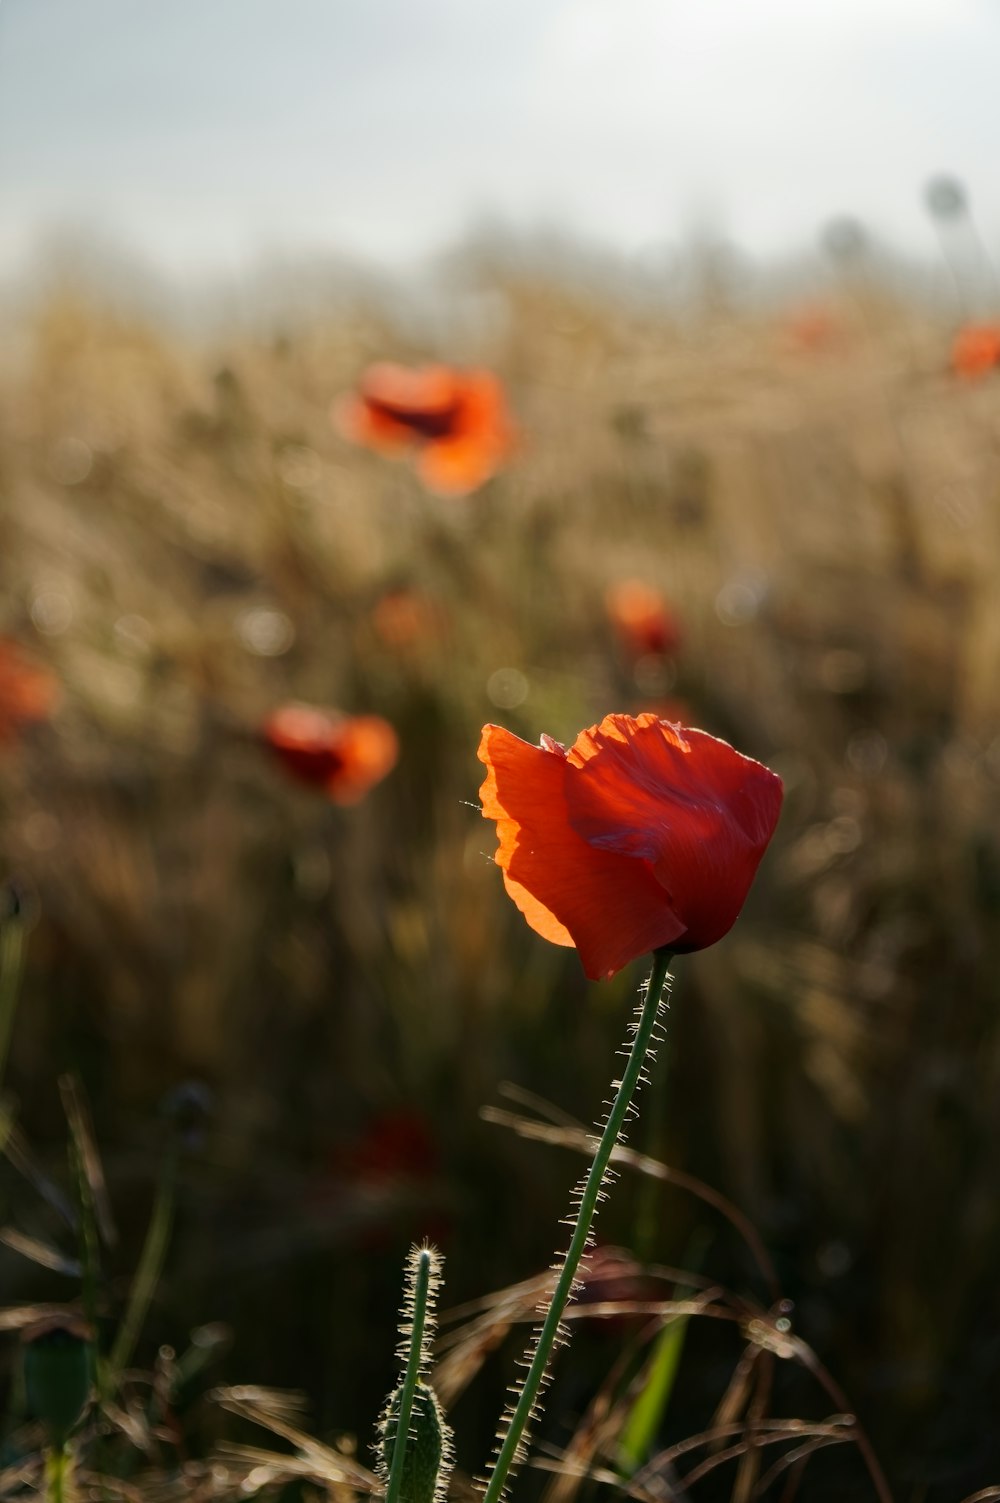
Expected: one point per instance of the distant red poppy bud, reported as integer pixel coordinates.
(405, 619)
(28, 692)
(641, 618)
(457, 421)
(345, 755)
(976, 350)
(813, 329)
(642, 835)
(396, 1145)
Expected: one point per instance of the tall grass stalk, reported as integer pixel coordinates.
(591, 1191)
(11, 967)
(147, 1274)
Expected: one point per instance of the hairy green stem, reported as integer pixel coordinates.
(589, 1199)
(420, 1287)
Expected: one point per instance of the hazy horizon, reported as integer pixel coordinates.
(205, 139)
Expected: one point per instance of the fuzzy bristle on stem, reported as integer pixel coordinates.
(514, 1426)
(419, 1307)
(416, 1329)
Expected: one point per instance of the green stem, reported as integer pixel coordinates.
(413, 1362)
(589, 1199)
(147, 1274)
(88, 1243)
(56, 1469)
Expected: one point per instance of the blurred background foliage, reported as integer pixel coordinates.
(188, 544)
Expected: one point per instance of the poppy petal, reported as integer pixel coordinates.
(456, 466)
(609, 905)
(362, 423)
(368, 749)
(345, 755)
(699, 812)
(432, 388)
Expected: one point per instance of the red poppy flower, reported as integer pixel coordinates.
(813, 329)
(345, 755)
(457, 421)
(976, 350)
(397, 1145)
(642, 619)
(392, 1171)
(642, 835)
(28, 692)
(404, 619)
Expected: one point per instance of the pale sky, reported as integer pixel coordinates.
(205, 132)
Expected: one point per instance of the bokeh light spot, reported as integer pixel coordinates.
(52, 612)
(70, 461)
(264, 631)
(507, 688)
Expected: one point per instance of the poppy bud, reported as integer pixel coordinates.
(945, 198)
(844, 238)
(189, 1107)
(428, 1445)
(58, 1374)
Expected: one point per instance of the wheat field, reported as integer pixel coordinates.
(336, 994)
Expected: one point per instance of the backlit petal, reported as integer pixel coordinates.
(610, 906)
(368, 749)
(696, 810)
(456, 466)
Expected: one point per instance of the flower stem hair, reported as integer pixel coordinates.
(416, 1453)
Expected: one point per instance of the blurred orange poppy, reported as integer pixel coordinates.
(642, 620)
(642, 835)
(456, 421)
(405, 619)
(813, 329)
(28, 692)
(345, 755)
(976, 350)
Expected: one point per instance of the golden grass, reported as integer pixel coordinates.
(187, 543)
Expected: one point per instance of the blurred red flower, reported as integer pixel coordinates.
(457, 421)
(391, 1172)
(405, 619)
(642, 835)
(397, 1145)
(813, 329)
(28, 692)
(976, 350)
(642, 620)
(345, 755)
